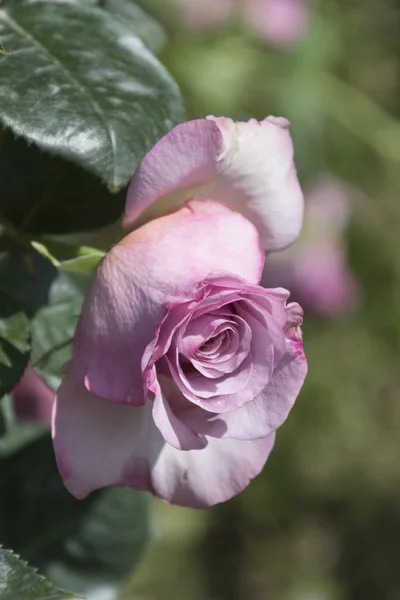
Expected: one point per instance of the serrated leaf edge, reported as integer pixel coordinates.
(34, 571)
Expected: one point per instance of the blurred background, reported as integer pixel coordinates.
(322, 522)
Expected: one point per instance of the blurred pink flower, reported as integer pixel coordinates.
(315, 268)
(33, 398)
(280, 22)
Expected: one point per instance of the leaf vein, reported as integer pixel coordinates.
(5, 16)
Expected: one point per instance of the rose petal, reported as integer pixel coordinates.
(261, 416)
(200, 331)
(159, 264)
(174, 431)
(263, 327)
(231, 391)
(247, 165)
(214, 344)
(99, 443)
(272, 299)
(200, 479)
(210, 390)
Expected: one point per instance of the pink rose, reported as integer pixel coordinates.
(246, 165)
(183, 366)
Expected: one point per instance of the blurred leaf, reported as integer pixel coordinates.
(108, 544)
(78, 543)
(18, 581)
(3, 422)
(98, 97)
(70, 258)
(37, 512)
(18, 436)
(7, 417)
(14, 343)
(360, 115)
(3, 50)
(114, 531)
(26, 277)
(41, 193)
(15, 434)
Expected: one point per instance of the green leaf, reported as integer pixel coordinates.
(19, 581)
(114, 532)
(77, 543)
(37, 513)
(143, 25)
(80, 84)
(3, 50)
(70, 258)
(26, 277)
(52, 300)
(147, 28)
(107, 545)
(54, 324)
(14, 343)
(20, 435)
(44, 194)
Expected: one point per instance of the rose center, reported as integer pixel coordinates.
(213, 344)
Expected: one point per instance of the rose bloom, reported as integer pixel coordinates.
(183, 366)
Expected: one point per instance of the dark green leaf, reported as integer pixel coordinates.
(3, 50)
(18, 581)
(36, 511)
(14, 342)
(26, 277)
(53, 327)
(143, 25)
(20, 435)
(147, 28)
(113, 533)
(85, 542)
(3, 421)
(108, 543)
(52, 300)
(82, 85)
(41, 193)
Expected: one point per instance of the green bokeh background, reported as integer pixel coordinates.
(322, 522)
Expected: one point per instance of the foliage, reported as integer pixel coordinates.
(82, 98)
(21, 582)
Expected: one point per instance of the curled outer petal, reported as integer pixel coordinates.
(247, 165)
(125, 448)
